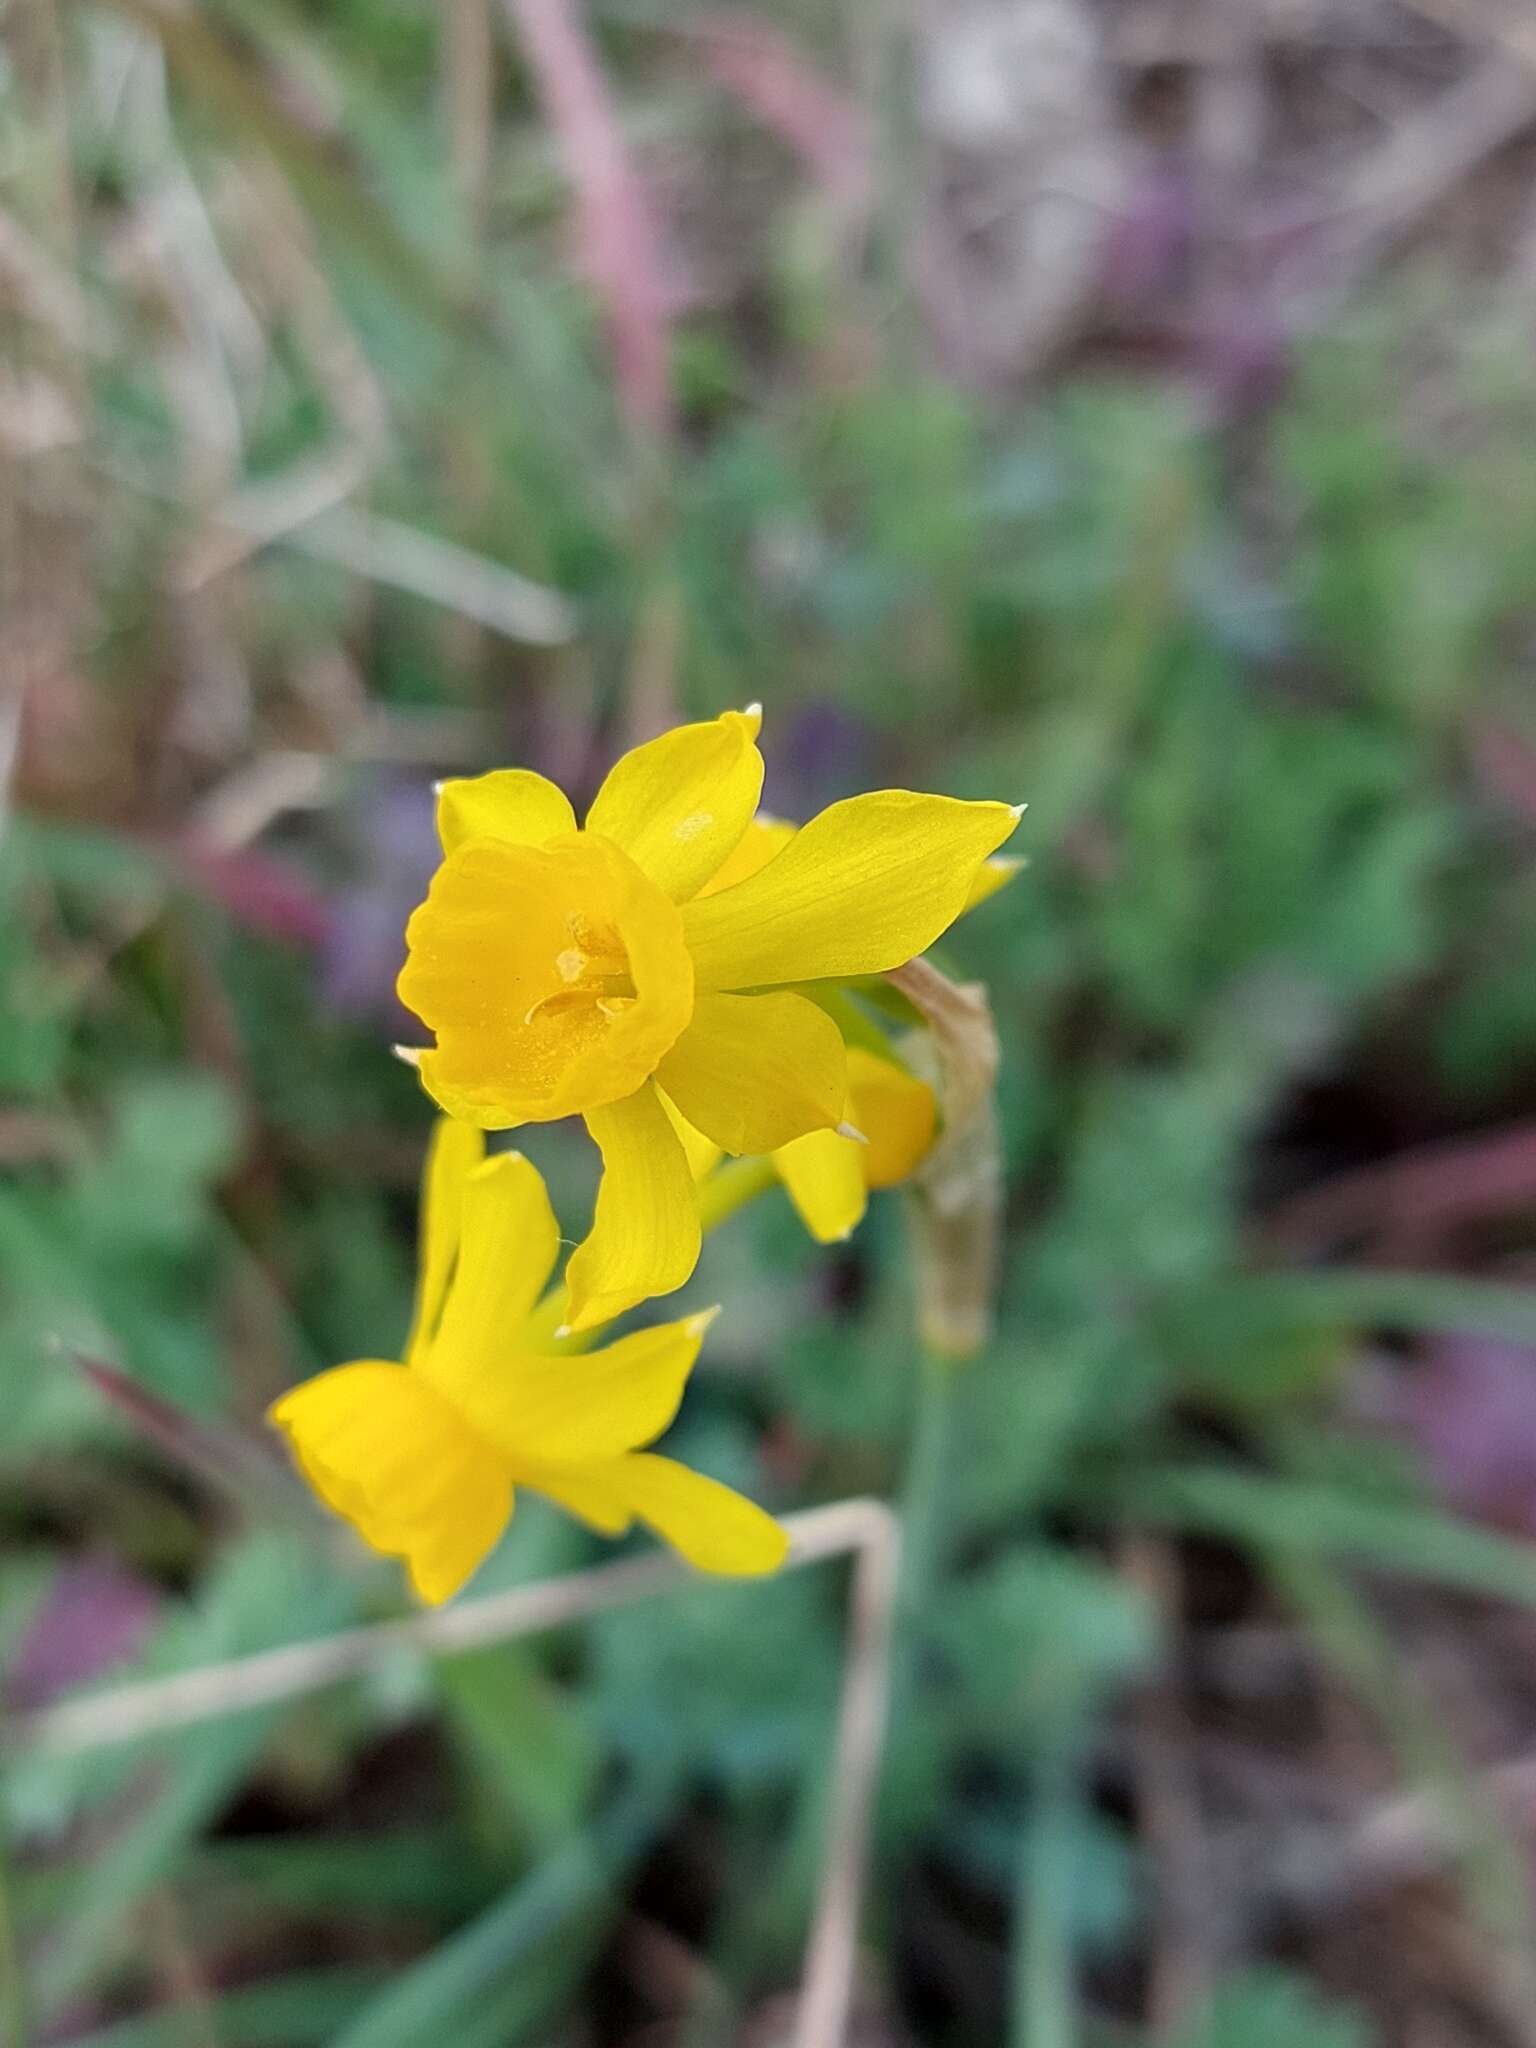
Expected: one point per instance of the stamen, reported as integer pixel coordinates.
(612, 993)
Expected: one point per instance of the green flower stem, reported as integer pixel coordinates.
(1042, 2010)
(13, 2003)
(731, 1187)
(923, 1490)
(721, 1195)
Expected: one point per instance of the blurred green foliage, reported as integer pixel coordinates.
(1239, 676)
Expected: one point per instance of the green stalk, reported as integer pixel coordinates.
(1041, 2012)
(13, 2003)
(929, 1456)
(730, 1188)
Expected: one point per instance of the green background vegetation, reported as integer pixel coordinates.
(1262, 677)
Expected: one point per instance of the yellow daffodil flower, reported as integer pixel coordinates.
(596, 971)
(829, 1177)
(423, 1457)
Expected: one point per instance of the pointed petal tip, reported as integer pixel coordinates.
(1018, 810)
(698, 1323)
(496, 1165)
(848, 1130)
(409, 1055)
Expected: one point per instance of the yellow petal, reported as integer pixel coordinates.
(573, 1409)
(385, 1451)
(509, 803)
(507, 1250)
(589, 1493)
(702, 1153)
(715, 1528)
(763, 838)
(444, 1556)
(898, 1113)
(991, 876)
(767, 835)
(752, 1072)
(679, 804)
(554, 978)
(454, 1152)
(645, 1232)
(864, 887)
(825, 1178)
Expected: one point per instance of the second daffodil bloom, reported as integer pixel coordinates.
(593, 971)
(828, 1177)
(424, 1456)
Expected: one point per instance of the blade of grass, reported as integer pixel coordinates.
(287, 2012)
(1405, 1301)
(440, 1997)
(244, 107)
(1493, 1863)
(1354, 1641)
(1043, 2003)
(377, 1874)
(1312, 1520)
(13, 1997)
(252, 1600)
(236, 1466)
(488, 592)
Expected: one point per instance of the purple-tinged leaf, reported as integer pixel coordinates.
(761, 66)
(1470, 1409)
(1413, 1200)
(265, 895)
(96, 1615)
(244, 1468)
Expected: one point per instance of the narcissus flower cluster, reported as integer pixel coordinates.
(613, 970)
(675, 970)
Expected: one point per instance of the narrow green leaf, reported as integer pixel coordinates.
(261, 1589)
(1404, 1301)
(229, 93)
(1269, 2008)
(452, 1991)
(1310, 1519)
(531, 1759)
(286, 2012)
